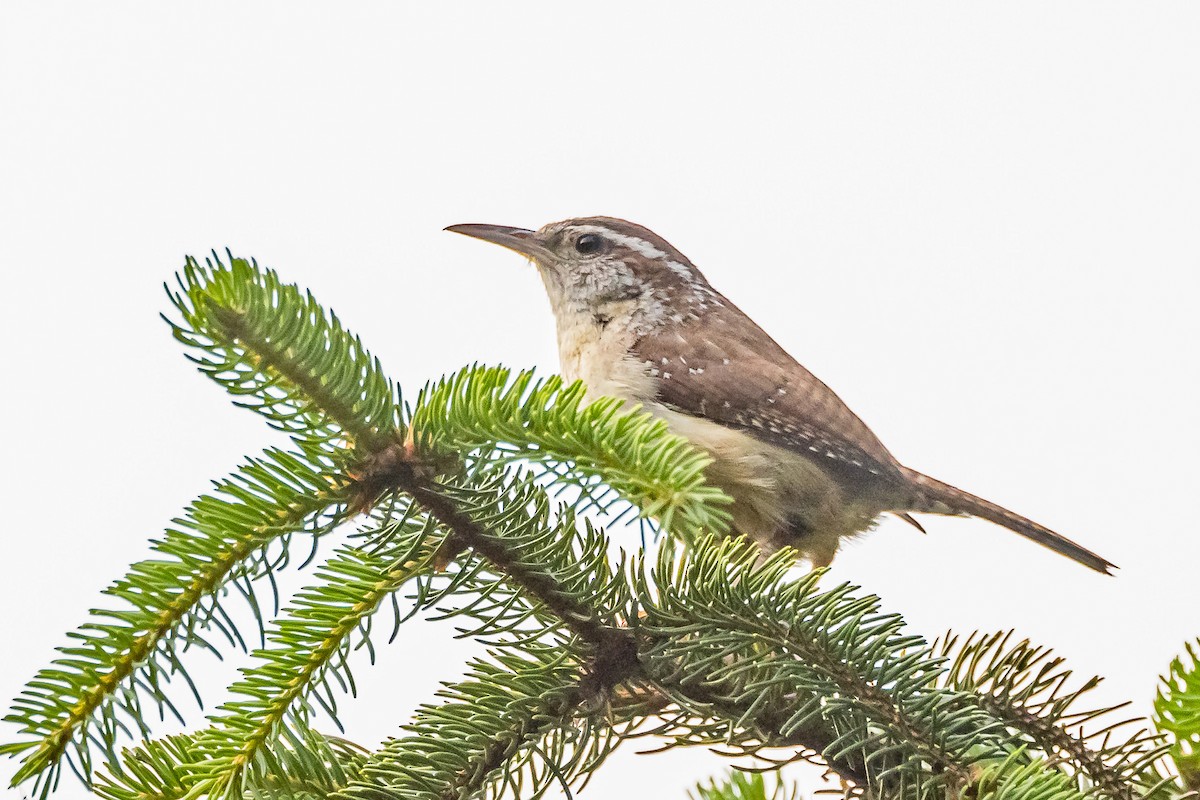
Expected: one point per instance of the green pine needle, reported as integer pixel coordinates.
(1177, 713)
(763, 661)
(511, 418)
(308, 766)
(743, 786)
(279, 353)
(511, 729)
(308, 648)
(122, 659)
(1032, 692)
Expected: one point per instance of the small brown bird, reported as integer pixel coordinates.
(637, 321)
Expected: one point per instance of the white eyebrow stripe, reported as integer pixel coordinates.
(648, 250)
(641, 246)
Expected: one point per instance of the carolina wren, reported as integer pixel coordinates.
(637, 321)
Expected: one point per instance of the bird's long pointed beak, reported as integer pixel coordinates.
(518, 240)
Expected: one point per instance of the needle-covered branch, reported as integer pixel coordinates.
(712, 645)
(554, 613)
(600, 447)
(308, 766)
(1030, 690)
(514, 728)
(122, 659)
(306, 661)
(743, 786)
(529, 579)
(1177, 713)
(279, 353)
(788, 661)
(759, 661)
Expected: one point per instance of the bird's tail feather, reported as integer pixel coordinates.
(935, 497)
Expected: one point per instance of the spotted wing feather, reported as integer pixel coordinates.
(721, 366)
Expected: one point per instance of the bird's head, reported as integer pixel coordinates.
(591, 262)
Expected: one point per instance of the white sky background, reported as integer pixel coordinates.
(979, 224)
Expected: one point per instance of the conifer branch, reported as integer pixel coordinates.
(470, 514)
(284, 356)
(1026, 688)
(222, 538)
(580, 619)
(828, 671)
(719, 645)
(512, 712)
(308, 645)
(516, 418)
(1017, 776)
(293, 363)
(682, 708)
(743, 786)
(1177, 713)
(564, 577)
(309, 767)
(823, 656)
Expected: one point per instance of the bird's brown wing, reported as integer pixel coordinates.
(725, 368)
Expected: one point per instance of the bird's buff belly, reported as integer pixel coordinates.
(779, 497)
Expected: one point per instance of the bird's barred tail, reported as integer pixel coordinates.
(935, 497)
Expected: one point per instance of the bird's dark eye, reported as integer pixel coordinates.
(589, 243)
